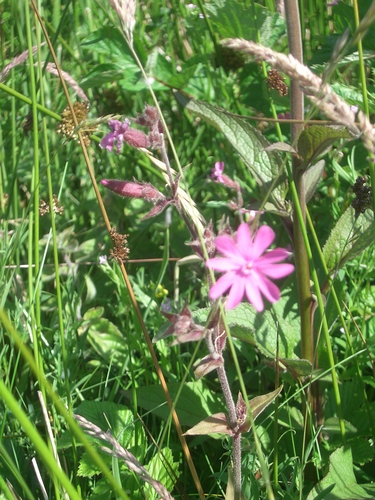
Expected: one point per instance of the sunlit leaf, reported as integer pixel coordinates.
(258, 405)
(214, 424)
(316, 140)
(265, 166)
(348, 238)
(341, 477)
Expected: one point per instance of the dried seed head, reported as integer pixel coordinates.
(125, 10)
(363, 196)
(120, 251)
(67, 126)
(276, 81)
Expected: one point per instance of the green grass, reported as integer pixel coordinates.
(74, 333)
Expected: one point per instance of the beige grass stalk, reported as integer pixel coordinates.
(319, 93)
(125, 9)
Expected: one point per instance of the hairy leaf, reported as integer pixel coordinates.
(259, 404)
(341, 476)
(214, 424)
(316, 141)
(265, 166)
(349, 238)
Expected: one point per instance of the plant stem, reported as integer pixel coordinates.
(231, 407)
(301, 258)
(299, 206)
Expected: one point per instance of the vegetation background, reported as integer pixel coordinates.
(71, 340)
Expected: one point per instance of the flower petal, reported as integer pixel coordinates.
(274, 271)
(253, 293)
(268, 289)
(222, 264)
(244, 241)
(275, 255)
(222, 285)
(263, 239)
(226, 245)
(236, 293)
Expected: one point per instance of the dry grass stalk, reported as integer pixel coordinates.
(320, 93)
(51, 68)
(16, 61)
(125, 10)
(118, 451)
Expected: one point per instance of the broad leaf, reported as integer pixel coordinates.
(265, 166)
(341, 477)
(195, 402)
(233, 19)
(259, 404)
(316, 141)
(312, 178)
(349, 238)
(104, 337)
(275, 331)
(163, 469)
(214, 424)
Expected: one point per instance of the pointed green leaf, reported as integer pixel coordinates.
(341, 476)
(195, 401)
(274, 332)
(349, 238)
(313, 176)
(214, 424)
(316, 141)
(264, 166)
(259, 404)
(297, 367)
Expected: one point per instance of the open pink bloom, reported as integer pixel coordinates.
(118, 130)
(217, 171)
(248, 268)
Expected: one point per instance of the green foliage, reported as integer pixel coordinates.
(76, 316)
(340, 482)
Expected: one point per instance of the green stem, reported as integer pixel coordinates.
(300, 254)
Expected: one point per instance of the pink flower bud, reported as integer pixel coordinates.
(134, 189)
(136, 138)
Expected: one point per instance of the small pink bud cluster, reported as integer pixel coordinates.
(218, 176)
(122, 132)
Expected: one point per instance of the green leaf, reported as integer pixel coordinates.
(349, 238)
(258, 405)
(102, 73)
(118, 419)
(233, 19)
(163, 468)
(196, 401)
(312, 178)
(362, 450)
(341, 476)
(332, 426)
(108, 42)
(104, 337)
(269, 330)
(264, 166)
(352, 96)
(316, 141)
(165, 70)
(297, 367)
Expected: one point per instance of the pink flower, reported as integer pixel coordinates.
(120, 133)
(217, 172)
(117, 134)
(247, 268)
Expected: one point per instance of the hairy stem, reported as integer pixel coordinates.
(301, 258)
(231, 407)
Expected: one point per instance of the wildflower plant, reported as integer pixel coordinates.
(264, 323)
